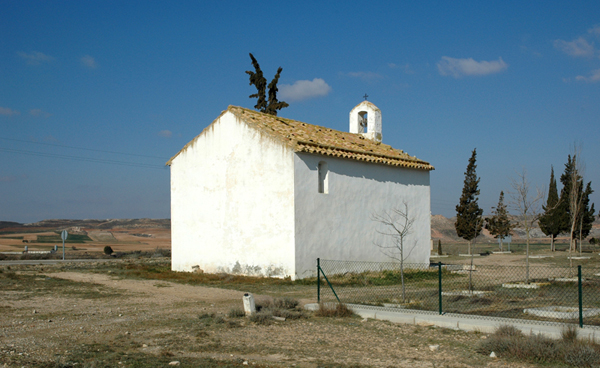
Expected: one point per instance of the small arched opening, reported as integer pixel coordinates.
(323, 172)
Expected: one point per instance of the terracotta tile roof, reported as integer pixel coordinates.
(303, 137)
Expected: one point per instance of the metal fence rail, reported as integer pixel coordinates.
(541, 293)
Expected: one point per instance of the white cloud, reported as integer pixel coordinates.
(89, 61)
(577, 48)
(165, 133)
(35, 57)
(8, 112)
(304, 89)
(39, 112)
(594, 78)
(404, 67)
(366, 76)
(595, 30)
(464, 67)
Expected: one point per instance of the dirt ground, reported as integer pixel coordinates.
(56, 317)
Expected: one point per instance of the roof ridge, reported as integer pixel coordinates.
(311, 138)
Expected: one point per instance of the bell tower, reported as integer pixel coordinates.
(365, 119)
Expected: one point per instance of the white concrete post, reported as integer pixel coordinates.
(249, 306)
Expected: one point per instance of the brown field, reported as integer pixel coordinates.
(120, 240)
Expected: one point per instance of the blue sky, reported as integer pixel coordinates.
(97, 95)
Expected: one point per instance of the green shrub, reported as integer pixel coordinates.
(108, 250)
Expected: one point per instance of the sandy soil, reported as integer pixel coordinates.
(162, 319)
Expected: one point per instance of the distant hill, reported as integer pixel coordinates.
(92, 224)
(9, 224)
(443, 228)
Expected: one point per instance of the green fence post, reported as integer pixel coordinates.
(329, 283)
(440, 285)
(580, 296)
(318, 280)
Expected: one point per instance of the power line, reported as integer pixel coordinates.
(81, 148)
(84, 159)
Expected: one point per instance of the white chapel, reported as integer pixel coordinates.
(258, 194)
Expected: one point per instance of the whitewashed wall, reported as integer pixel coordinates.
(232, 202)
(339, 226)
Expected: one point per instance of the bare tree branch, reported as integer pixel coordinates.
(528, 207)
(399, 225)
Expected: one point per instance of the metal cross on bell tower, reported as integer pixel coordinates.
(365, 96)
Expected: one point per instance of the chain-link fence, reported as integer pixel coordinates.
(542, 293)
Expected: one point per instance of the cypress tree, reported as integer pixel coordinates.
(552, 221)
(257, 79)
(468, 214)
(565, 202)
(499, 224)
(587, 213)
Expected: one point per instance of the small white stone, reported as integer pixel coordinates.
(434, 347)
(245, 362)
(493, 355)
(144, 345)
(174, 363)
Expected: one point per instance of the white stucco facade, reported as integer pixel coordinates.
(246, 200)
(339, 224)
(232, 202)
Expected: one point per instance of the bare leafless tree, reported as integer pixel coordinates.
(398, 225)
(528, 207)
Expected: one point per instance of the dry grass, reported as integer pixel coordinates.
(236, 312)
(340, 310)
(509, 342)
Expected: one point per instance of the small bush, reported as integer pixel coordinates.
(262, 318)
(569, 333)
(340, 310)
(509, 342)
(508, 331)
(285, 303)
(580, 355)
(263, 303)
(108, 250)
(236, 312)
